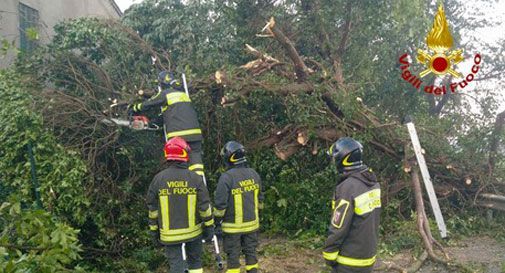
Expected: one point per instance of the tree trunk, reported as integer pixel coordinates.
(495, 141)
(423, 224)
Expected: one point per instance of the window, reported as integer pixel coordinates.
(28, 22)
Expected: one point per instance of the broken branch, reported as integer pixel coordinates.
(301, 69)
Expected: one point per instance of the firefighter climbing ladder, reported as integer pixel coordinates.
(219, 260)
(426, 177)
(214, 239)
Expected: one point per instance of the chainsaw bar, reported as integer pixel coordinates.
(137, 123)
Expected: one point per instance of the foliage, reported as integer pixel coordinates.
(32, 240)
(201, 36)
(60, 172)
(100, 172)
(116, 175)
(191, 33)
(474, 223)
(400, 237)
(285, 213)
(7, 46)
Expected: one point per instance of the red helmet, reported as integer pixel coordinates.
(177, 149)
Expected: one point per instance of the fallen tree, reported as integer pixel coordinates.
(281, 104)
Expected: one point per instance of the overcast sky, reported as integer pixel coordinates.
(124, 4)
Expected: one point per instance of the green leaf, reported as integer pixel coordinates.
(282, 203)
(32, 33)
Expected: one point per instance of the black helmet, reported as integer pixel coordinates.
(166, 79)
(347, 153)
(233, 153)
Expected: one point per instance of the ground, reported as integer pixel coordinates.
(479, 254)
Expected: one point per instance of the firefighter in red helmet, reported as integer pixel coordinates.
(180, 209)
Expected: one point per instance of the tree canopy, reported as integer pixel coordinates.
(286, 78)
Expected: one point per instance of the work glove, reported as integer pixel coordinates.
(134, 108)
(208, 233)
(157, 121)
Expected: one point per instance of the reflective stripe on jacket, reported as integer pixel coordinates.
(353, 232)
(179, 116)
(178, 204)
(238, 198)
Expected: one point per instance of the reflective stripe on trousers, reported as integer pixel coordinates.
(355, 262)
(330, 256)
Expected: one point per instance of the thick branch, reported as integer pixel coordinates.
(423, 224)
(25, 248)
(337, 57)
(293, 88)
(285, 152)
(334, 108)
(282, 89)
(263, 62)
(347, 28)
(328, 134)
(495, 140)
(436, 108)
(259, 54)
(103, 251)
(385, 149)
(421, 212)
(493, 197)
(300, 67)
(492, 201)
(491, 205)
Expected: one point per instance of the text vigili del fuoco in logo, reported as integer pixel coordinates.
(439, 60)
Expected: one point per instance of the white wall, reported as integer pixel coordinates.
(50, 13)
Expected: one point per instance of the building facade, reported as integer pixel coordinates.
(28, 23)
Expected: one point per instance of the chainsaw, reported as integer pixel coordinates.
(135, 122)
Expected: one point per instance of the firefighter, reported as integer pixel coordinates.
(238, 198)
(179, 116)
(352, 242)
(179, 209)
